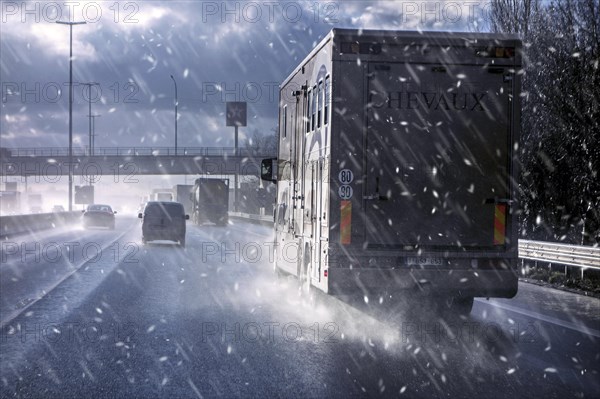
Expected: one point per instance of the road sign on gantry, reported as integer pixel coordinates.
(235, 113)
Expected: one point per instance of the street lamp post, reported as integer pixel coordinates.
(174, 82)
(94, 133)
(89, 85)
(70, 108)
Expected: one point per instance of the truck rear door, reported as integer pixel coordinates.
(437, 157)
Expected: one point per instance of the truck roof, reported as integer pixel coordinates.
(447, 37)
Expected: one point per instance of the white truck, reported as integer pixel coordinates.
(210, 201)
(10, 202)
(35, 203)
(183, 195)
(163, 194)
(396, 168)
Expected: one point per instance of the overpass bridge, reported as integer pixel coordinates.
(112, 161)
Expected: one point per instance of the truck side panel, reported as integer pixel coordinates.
(302, 210)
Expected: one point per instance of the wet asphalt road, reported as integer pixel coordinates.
(213, 321)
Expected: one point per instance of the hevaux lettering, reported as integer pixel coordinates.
(429, 100)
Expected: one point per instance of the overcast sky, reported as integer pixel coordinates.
(131, 48)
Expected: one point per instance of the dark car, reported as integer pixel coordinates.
(97, 215)
(162, 220)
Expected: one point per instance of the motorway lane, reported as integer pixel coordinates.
(32, 265)
(556, 334)
(212, 320)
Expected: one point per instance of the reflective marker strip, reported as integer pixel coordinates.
(500, 225)
(345, 222)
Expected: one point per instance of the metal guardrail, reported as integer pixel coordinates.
(13, 225)
(135, 151)
(560, 254)
(265, 220)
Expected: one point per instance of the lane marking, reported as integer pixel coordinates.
(18, 312)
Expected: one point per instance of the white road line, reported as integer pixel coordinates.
(17, 312)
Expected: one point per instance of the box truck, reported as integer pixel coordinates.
(210, 201)
(161, 194)
(396, 168)
(35, 203)
(10, 202)
(183, 196)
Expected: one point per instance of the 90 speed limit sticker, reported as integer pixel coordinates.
(345, 192)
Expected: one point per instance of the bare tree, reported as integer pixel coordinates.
(513, 16)
(262, 145)
(560, 154)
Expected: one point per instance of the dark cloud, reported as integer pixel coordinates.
(240, 49)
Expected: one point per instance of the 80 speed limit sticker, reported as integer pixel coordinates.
(346, 176)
